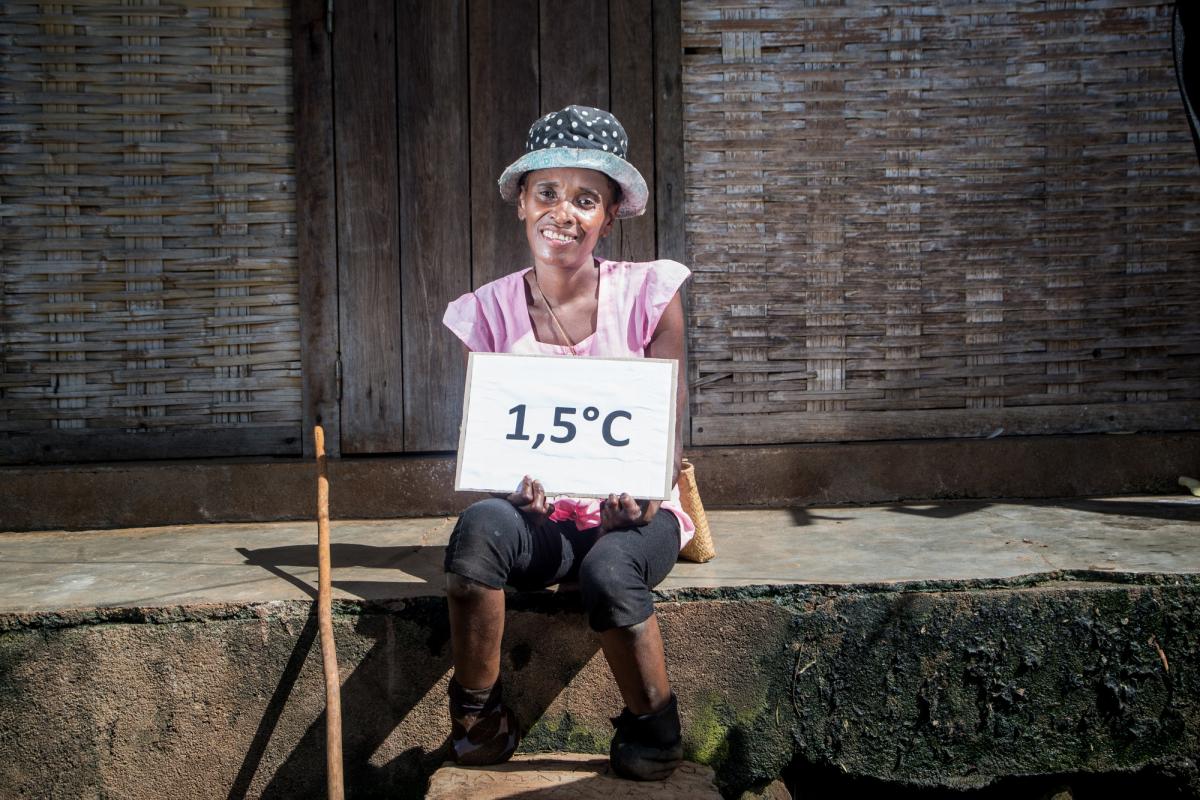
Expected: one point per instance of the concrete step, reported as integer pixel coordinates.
(388, 560)
(949, 644)
(565, 776)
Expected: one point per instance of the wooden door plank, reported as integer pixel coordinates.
(573, 58)
(573, 54)
(503, 46)
(364, 61)
(668, 159)
(668, 131)
(435, 248)
(316, 224)
(631, 68)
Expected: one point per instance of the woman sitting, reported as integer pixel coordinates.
(570, 185)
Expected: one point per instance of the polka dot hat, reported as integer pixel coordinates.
(584, 137)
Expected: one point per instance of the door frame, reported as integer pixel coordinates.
(316, 194)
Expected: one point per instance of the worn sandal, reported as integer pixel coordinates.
(482, 729)
(647, 747)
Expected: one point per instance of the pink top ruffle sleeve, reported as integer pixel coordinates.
(632, 298)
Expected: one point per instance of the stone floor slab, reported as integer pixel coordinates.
(565, 776)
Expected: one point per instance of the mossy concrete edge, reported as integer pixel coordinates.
(946, 683)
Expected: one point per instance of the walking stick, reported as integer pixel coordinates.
(333, 682)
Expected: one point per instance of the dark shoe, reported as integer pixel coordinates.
(647, 747)
(482, 729)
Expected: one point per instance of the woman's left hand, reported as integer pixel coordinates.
(624, 511)
(530, 500)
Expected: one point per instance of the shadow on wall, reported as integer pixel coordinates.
(409, 657)
(824, 782)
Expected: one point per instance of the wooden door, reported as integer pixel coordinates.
(429, 101)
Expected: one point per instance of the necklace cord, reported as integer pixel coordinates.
(553, 317)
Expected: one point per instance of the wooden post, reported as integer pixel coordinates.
(333, 682)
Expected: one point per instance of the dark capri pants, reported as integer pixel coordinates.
(494, 544)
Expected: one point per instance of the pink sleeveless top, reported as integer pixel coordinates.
(632, 298)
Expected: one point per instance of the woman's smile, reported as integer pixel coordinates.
(558, 237)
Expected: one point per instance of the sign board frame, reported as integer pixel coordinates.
(672, 423)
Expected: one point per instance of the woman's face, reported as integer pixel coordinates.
(565, 210)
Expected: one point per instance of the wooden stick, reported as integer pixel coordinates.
(333, 681)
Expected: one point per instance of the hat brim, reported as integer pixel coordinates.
(634, 192)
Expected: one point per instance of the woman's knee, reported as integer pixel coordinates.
(487, 517)
(484, 542)
(460, 588)
(613, 589)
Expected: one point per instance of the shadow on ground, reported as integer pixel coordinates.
(421, 562)
(802, 517)
(408, 655)
(1180, 511)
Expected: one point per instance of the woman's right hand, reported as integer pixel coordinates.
(530, 499)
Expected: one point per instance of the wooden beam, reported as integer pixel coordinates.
(61, 446)
(847, 426)
(778, 476)
(316, 222)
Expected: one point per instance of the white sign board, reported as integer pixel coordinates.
(586, 427)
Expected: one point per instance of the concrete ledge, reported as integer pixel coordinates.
(918, 645)
(180, 492)
(954, 685)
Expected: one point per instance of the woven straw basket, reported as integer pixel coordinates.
(700, 548)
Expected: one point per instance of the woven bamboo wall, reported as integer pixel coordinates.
(148, 274)
(923, 219)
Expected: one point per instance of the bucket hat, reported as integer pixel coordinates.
(583, 137)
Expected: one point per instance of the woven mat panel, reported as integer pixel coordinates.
(915, 220)
(148, 270)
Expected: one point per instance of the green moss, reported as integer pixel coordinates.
(564, 733)
(706, 733)
(724, 731)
